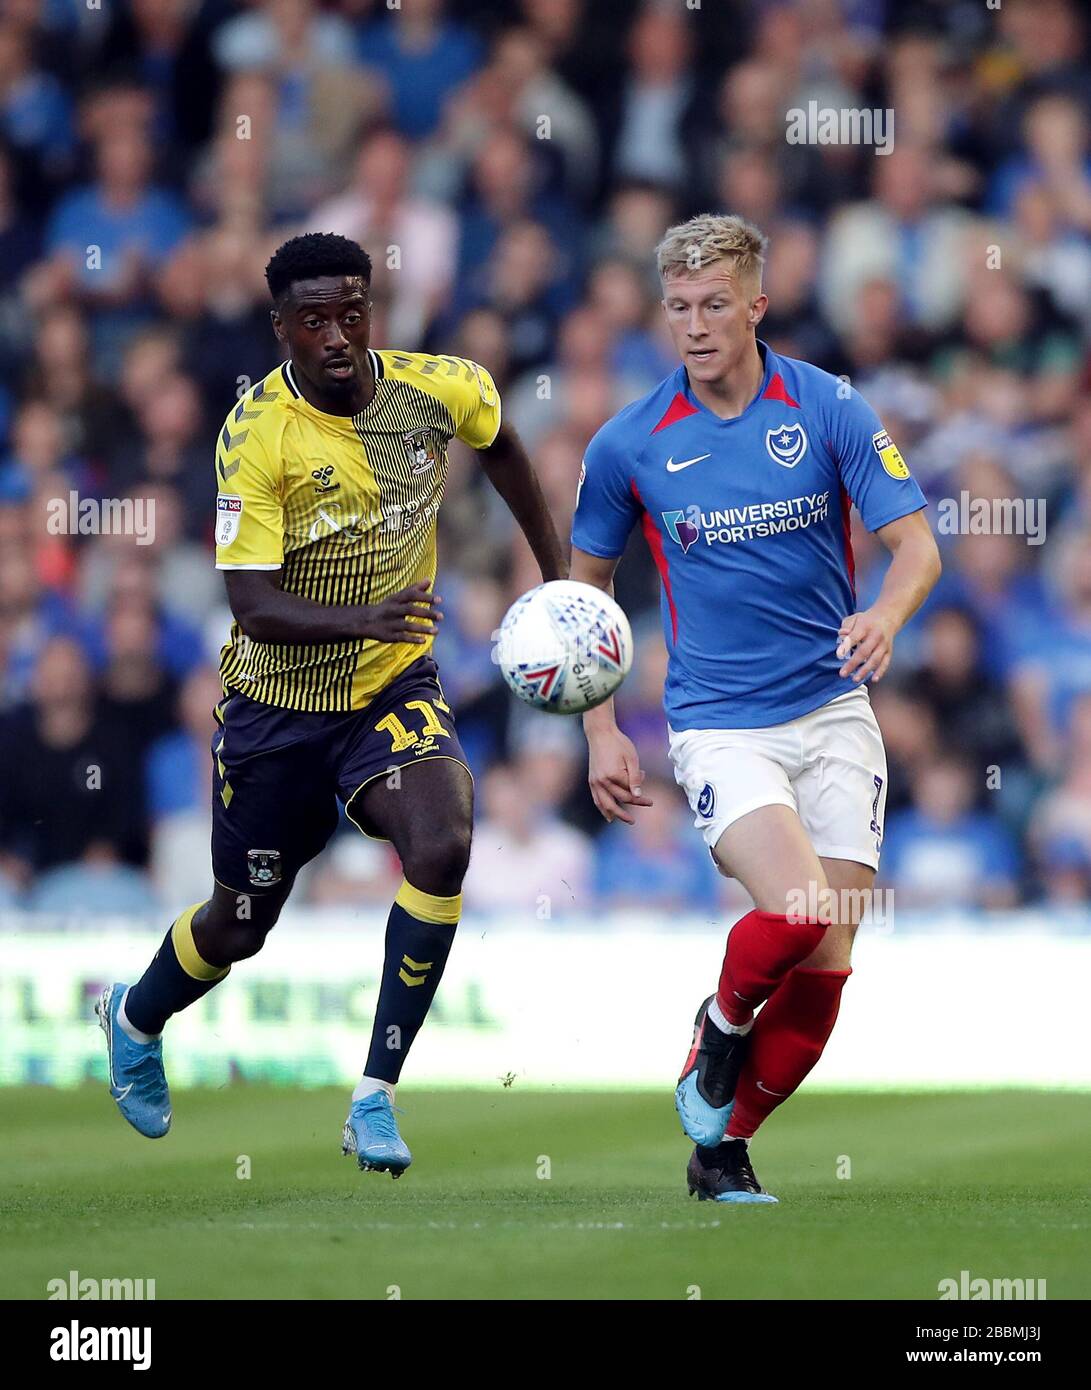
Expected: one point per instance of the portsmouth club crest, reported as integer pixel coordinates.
(422, 450)
(786, 444)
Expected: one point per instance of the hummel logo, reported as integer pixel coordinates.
(782, 1094)
(673, 467)
(323, 479)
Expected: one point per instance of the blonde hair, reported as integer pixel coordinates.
(693, 246)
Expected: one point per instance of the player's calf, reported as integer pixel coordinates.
(789, 1037)
(198, 952)
(762, 947)
(178, 976)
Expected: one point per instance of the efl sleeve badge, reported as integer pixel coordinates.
(228, 516)
(891, 459)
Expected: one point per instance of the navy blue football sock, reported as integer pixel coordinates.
(176, 978)
(419, 933)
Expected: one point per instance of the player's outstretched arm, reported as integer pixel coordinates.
(511, 473)
(267, 614)
(614, 773)
(866, 639)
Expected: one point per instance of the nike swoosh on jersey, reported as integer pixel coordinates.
(673, 467)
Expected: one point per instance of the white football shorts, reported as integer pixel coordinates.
(829, 766)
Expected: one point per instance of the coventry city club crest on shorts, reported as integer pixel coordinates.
(263, 866)
(786, 444)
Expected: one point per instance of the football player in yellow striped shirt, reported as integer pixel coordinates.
(330, 474)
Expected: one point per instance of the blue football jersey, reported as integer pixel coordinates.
(748, 523)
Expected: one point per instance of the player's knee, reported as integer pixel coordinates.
(247, 941)
(234, 926)
(440, 865)
(834, 951)
(239, 940)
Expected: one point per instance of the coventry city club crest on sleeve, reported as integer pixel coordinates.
(786, 444)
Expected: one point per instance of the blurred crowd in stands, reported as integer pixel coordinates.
(510, 166)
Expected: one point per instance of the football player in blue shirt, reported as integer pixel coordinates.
(741, 468)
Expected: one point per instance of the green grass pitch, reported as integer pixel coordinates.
(991, 1182)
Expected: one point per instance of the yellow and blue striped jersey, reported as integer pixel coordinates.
(346, 507)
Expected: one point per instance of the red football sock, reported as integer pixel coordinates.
(761, 948)
(788, 1038)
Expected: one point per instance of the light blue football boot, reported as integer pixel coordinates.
(705, 1094)
(371, 1133)
(137, 1080)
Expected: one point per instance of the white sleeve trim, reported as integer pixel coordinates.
(220, 565)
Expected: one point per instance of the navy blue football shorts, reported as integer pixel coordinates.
(278, 774)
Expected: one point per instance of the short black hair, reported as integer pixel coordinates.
(311, 255)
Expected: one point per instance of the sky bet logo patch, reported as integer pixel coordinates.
(888, 453)
(681, 531)
(228, 516)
